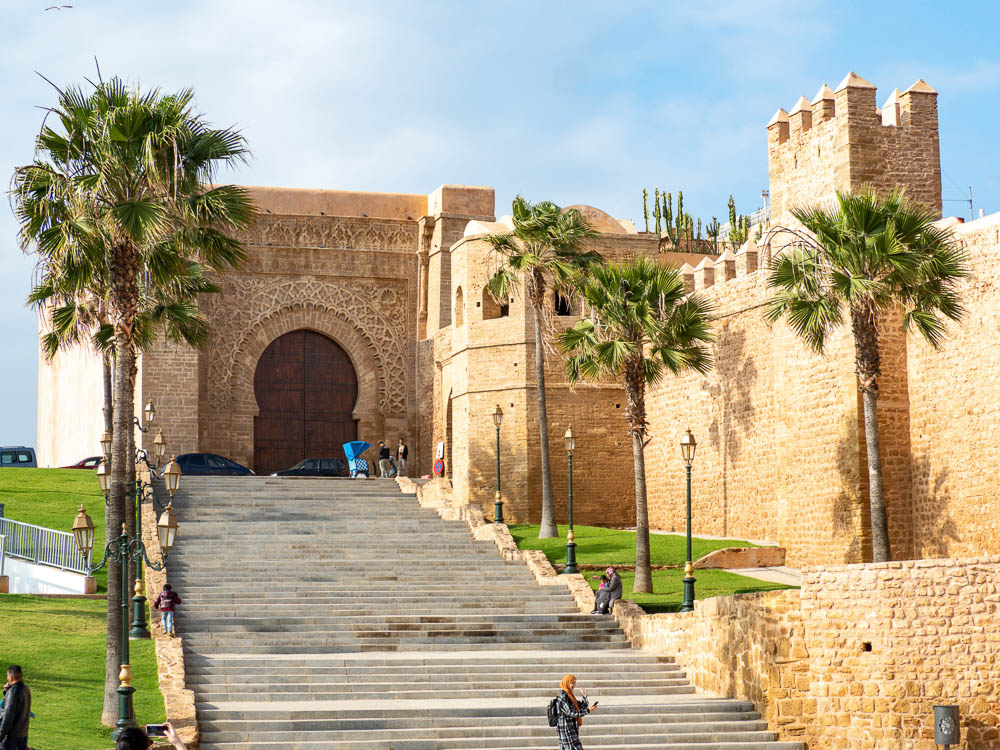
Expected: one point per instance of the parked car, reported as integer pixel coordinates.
(203, 464)
(17, 456)
(316, 467)
(88, 463)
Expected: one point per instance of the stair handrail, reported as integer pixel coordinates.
(41, 546)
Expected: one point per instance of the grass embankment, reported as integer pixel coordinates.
(51, 498)
(60, 642)
(603, 547)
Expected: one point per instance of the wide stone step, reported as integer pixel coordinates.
(321, 693)
(324, 614)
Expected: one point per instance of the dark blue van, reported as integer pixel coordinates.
(17, 456)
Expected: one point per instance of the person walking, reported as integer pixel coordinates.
(384, 455)
(16, 713)
(402, 453)
(606, 595)
(570, 712)
(166, 602)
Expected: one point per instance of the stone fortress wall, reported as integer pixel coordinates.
(398, 281)
(781, 429)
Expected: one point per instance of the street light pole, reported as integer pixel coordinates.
(121, 550)
(497, 501)
(570, 534)
(139, 629)
(688, 446)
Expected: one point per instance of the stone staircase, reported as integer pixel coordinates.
(324, 614)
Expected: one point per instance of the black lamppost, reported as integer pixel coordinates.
(570, 536)
(138, 490)
(688, 446)
(497, 502)
(139, 629)
(121, 550)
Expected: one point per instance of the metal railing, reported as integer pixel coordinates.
(42, 546)
(2, 538)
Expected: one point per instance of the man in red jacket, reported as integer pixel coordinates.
(166, 602)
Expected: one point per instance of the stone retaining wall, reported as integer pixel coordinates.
(177, 698)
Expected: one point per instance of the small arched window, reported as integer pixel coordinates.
(493, 309)
(562, 305)
(459, 307)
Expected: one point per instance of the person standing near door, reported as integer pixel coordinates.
(402, 453)
(384, 454)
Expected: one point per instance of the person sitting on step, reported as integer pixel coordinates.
(605, 597)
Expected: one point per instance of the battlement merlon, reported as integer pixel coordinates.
(841, 140)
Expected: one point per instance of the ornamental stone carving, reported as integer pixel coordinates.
(333, 232)
(248, 302)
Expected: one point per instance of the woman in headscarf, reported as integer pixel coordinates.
(605, 597)
(571, 713)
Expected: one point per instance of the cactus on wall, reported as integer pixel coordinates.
(698, 236)
(668, 212)
(645, 207)
(739, 226)
(656, 211)
(712, 230)
(680, 211)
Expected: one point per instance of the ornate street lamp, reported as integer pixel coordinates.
(106, 446)
(688, 446)
(102, 477)
(149, 413)
(159, 446)
(119, 550)
(570, 535)
(497, 502)
(166, 529)
(172, 476)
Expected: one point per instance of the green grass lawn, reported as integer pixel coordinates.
(599, 546)
(60, 645)
(51, 498)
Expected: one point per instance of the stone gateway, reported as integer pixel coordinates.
(366, 315)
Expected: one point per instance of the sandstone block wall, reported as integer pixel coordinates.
(841, 140)
(857, 659)
(954, 424)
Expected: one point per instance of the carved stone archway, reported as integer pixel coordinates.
(371, 379)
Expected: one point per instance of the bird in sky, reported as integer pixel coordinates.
(58, 7)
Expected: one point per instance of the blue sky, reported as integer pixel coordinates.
(576, 102)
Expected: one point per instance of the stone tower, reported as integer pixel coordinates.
(842, 140)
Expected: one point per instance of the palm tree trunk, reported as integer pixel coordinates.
(106, 362)
(124, 265)
(548, 528)
(868, 364)
(114, 518)
(881, 551)
(130, 496)
(635, 413)
(643, 572)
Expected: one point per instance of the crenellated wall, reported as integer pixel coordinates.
(841, 140)
(780, 428)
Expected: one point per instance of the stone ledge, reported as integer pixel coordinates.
(178, 700)
(734, 558)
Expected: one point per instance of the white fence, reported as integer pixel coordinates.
(41, 546)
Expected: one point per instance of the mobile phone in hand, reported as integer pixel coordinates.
(156, 730)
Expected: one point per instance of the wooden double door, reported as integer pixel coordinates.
(306, 388)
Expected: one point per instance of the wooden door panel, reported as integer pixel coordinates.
(306, 388)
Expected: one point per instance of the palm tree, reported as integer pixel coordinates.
(544, 249)
(641, 324)
(121, 189)
(873, 256)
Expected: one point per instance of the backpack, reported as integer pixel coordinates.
(554, 712)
